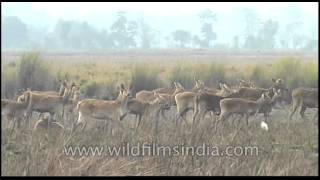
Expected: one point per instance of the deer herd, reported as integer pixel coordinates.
(242, 101)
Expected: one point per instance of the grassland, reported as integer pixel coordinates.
(288, 148)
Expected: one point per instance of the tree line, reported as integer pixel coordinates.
(126, 33)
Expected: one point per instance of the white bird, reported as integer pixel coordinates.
(264, 125)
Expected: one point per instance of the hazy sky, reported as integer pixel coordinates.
(166, 16)
(59, 9)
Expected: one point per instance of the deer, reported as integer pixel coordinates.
(241, 106)
(113, 111)
(54, 93)
(255, 93)
(45, 130)
(304, 98)
(185, 100)
(21, 98)
(47, 103)
(205, 102)
(70, 106)
(140, 108)
(149, 96)
(13, 111)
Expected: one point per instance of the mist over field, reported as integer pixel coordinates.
(169, 89)
(96, 27)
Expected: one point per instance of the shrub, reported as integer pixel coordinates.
(33, 73)
(145, 78)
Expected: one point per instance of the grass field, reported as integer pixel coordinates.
(288, 148)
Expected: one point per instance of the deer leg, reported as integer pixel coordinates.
(139, 121)
(303, 109)
(184, 118)
(247, 119)
(122, 116)
(295, 106)
(13, 125)
(195, 114)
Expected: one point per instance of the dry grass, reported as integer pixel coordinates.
(288, 148)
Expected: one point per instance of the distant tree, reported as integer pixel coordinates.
(104, 40)
(311, 45)
(145, 34)
(266, 35)
(207, 18)
(292, 29)
(182, 37)
(251, 42)
(14, 32)
(196, 41)
(208, 35)
(132, 31)
(124, 31)
(251, 20)
(61, 33)
(235, 42)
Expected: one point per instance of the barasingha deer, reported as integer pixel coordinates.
(113, 111)
(147, 109)
(303, 98)
(166, 93)
(52, 104)
(240, 106)
(13, 111)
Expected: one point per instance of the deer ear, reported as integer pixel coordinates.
(122, 86)
(180, 85)
(175, 84)
(273, 80)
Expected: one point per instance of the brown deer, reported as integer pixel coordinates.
(141, 109)
(13, 111)
(304, 98)
(149, 96)
(241, 106)
(47, 103)
(46, 130)
(114, 110)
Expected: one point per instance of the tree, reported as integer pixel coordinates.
(124, 31)
(196, 41)
(14, 32)
(252, 25)
(292, 29)
(182, 37)
(104, 40)
(235, 42)
(266, 35)
(208, 35)
(207, 18)
(61, 33)
(145, 34)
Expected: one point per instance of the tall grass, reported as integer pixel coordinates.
(101, 79)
